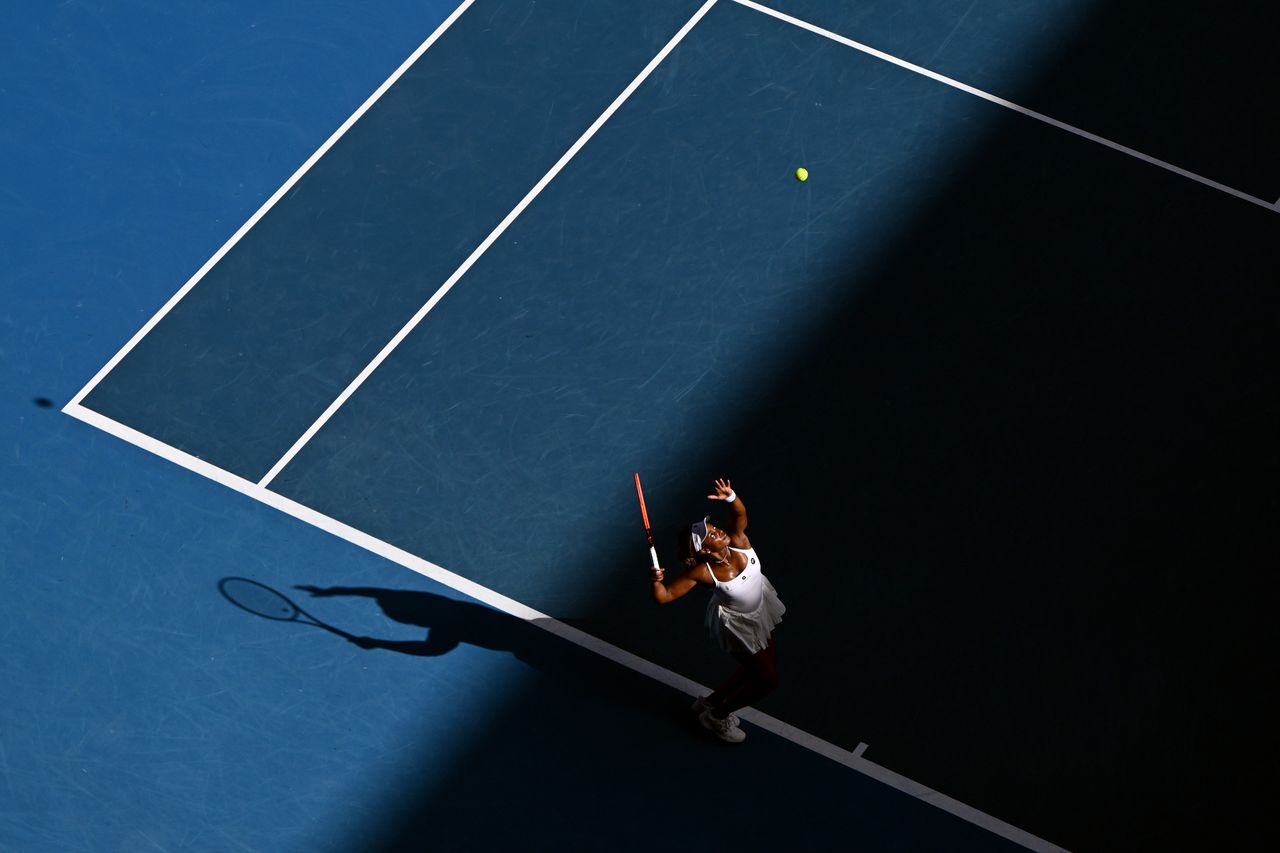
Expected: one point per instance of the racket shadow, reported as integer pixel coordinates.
(263, 601)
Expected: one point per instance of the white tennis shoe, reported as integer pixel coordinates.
(723, 729)
(700, 705)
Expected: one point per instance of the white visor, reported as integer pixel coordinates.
(699, 533)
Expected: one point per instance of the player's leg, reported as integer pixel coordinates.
(761, 678)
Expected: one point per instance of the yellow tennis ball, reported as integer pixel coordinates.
(802, 174)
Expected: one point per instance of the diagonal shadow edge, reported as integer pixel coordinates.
(850, 759)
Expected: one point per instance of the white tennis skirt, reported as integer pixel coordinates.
(734, 630)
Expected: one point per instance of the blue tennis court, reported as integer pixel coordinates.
(382, 309)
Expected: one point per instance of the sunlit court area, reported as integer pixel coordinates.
(337, 335)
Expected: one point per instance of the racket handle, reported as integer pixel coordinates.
(653, 555)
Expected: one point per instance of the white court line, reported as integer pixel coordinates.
(986, 96)
(853, 760)
(484, 246)
(271, 202)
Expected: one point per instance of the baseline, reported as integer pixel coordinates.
(854, 760)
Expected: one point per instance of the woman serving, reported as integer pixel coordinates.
(742, 614)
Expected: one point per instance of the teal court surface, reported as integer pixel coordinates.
(379, 308)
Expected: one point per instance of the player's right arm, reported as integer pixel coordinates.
(665, 593)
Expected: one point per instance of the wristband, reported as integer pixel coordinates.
(733, 496)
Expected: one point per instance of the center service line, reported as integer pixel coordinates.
(484, 246)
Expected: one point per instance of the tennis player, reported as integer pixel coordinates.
(742, 614)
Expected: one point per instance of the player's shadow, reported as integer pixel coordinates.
(449, 623)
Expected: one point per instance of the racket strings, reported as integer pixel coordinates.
(258, 599)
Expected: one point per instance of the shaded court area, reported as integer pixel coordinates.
(995, 394)
(586, 752)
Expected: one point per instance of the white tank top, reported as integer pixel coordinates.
(745, 592)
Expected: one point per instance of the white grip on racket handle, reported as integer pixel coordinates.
(653, 555)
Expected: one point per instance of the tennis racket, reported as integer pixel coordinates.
(261, 600)
(644, 514)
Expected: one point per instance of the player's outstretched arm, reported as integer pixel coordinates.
(723, 491)
(665, 593)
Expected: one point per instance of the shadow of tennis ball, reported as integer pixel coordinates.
(43, 402)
